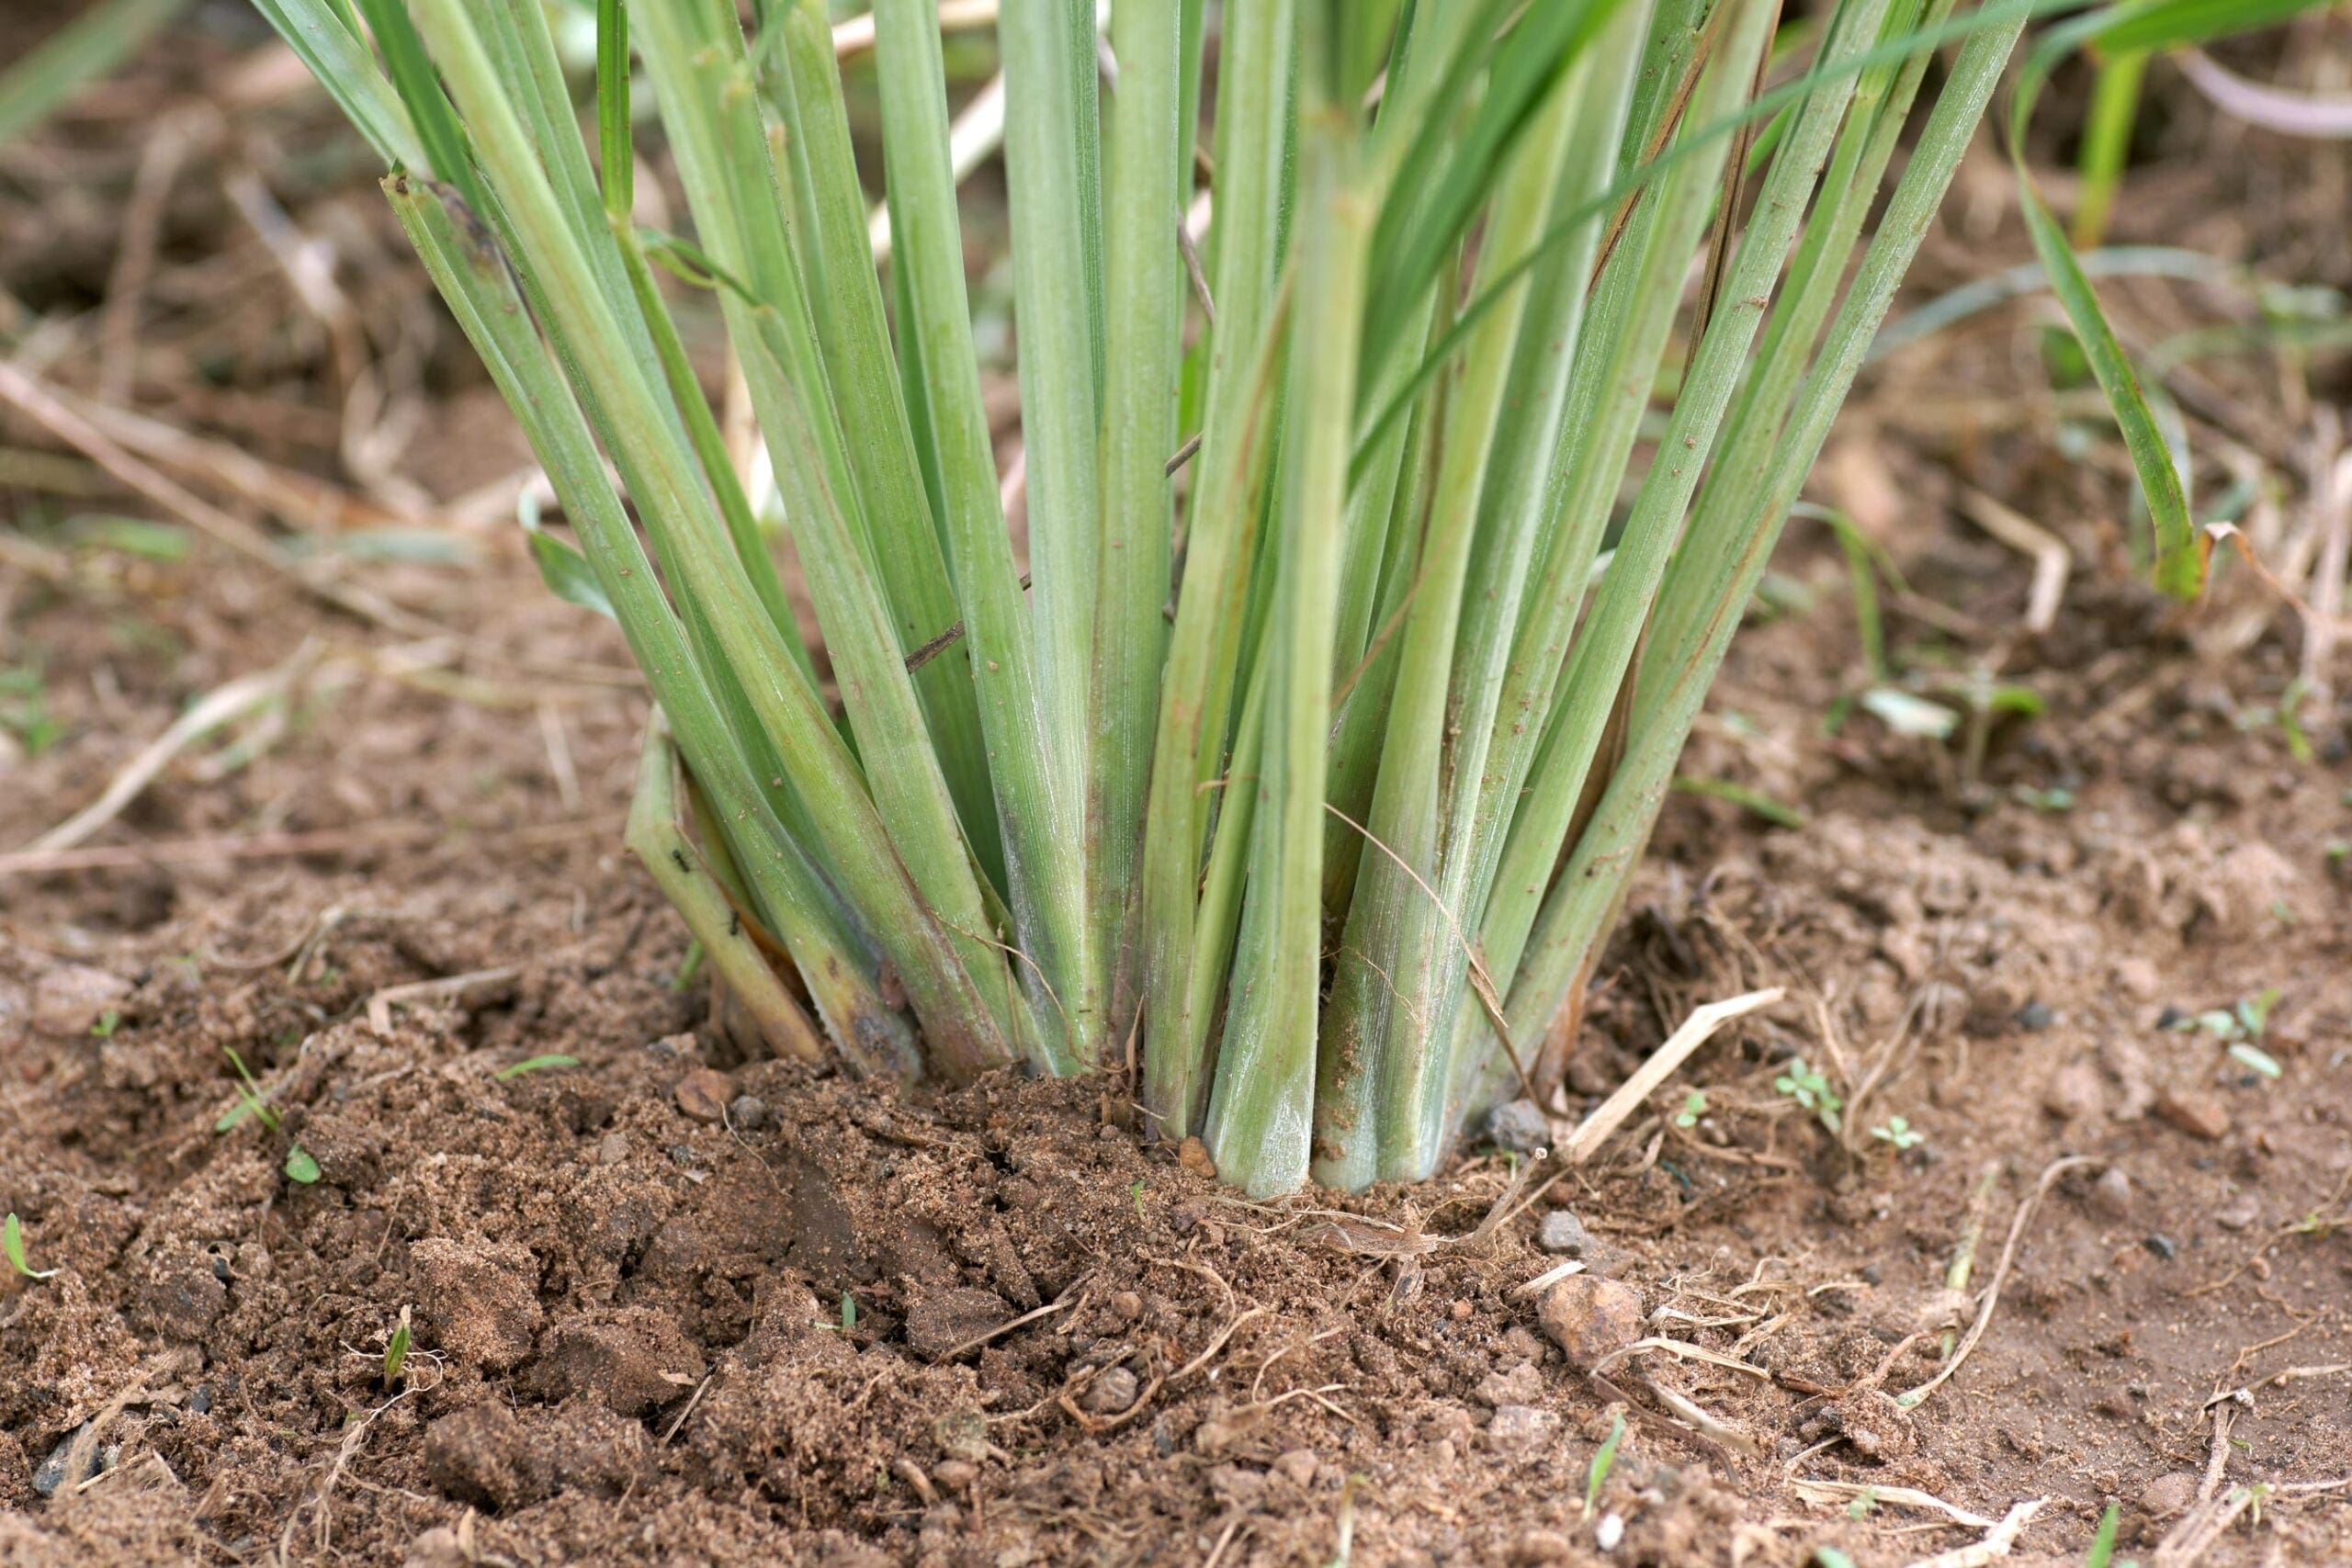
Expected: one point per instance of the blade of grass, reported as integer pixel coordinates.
(861, 372)
(1259, 1122)
(1732, 533)
(2107, 143)
(478, 291)
(1050, 159)
(1188, 748)
(1144, 299)
(91, 45)
(1041, 826)
(653, 836)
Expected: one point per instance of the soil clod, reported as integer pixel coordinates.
(703, 1094)
(1590, 1317)
(2199, 1114)
(480, 1299)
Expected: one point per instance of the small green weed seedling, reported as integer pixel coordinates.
(301, 1167)
(1604, 1459)
(2103, 1544)
(2238, 1027)
(396, 1350)
(535, 1065)
(12, 1242)
(1694, 1105)
(108, 1022)
(1811, 1089)
(1899, 1133)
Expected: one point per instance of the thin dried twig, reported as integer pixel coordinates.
(1595, 1129)
(461, 987)
(1001, 1329)
(2051, 562)
(1821, 1490)
(281, 846)
(1996, 1544)
(2000, 1276)
(224, 705)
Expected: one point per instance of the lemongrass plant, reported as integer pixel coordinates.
(1370, 612)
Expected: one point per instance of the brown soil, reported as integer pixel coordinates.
(849, 1323)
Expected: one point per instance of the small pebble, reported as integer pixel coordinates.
(70, 998)
(702, 1094)
(1563, 1233)
(1297, 1466)
(955, 1473)
(201, 1402)
(1193, 1156)
(2161, 1245)
(1127, 1304)
(1518, 1126)
(747, 1112)
(1612, 1532)
(2112, 1193)
(1590, 1317)
(1460, 1311)
(613, 1149)
(1110, 1393)
(2076, 1092)
(2241, 1214)
(2198, 1115)
(2035, 1016)
(49, 1479)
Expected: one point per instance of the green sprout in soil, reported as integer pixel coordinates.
(1899, 1133)
(535, 1065)
(2102, 1552)
(301, 1167)
(1809, 1087)
(12, 1242)
(1604, 1459)
(1865, 1503)
(2237, 1026)
(1694, 1105)
(108, 1022)
(1392, 421)
(1830, 1557)
(24, 710)
(396, 1350)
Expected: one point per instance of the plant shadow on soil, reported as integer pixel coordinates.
(662, 1318)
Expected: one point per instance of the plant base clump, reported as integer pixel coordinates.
(1391, 495)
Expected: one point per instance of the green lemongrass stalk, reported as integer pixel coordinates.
(1050, 136)
(705, 899)
(1261, 1109)
(1327, 845)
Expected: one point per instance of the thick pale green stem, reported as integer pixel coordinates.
(1144, 299)
(1038, 809)
(1376, 1046)
(661, 847)
(1050, 139)
(1237, 439)
(1732, 536)
(1259, 1125)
